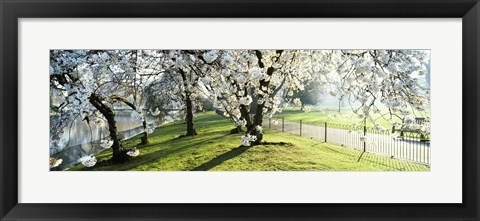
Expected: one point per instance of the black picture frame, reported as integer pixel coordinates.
(11, 11)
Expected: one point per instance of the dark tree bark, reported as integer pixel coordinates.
(144, 139)
(246, 116)
(118, 153)
(189, 118)
(258, 118)
(189, 107)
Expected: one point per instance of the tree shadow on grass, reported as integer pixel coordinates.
(179, 144)
(221, 158)
(183, 137)
(232, 154)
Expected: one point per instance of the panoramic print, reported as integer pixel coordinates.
(240, 110)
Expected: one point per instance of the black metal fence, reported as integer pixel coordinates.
(411, 146)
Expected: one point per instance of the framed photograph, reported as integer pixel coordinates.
(232, 110)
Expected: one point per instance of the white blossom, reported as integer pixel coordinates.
(297, 102)
(88, 161)
(155, 113)
(247, 139)
(55, 162)
(134, 152)
(106, 143)
(245, 100)
(257, 74)
(210, 56)
(240, 122)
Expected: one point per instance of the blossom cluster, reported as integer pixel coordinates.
(134, 152)
(88, 161)
(247, 139)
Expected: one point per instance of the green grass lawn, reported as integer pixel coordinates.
(215, 149)
(320, 115)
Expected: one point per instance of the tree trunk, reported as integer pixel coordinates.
(246, 116)
(258, 118)
(145, 134)
(188, 101)
(109, 114)
(189, 118)
(257, 121)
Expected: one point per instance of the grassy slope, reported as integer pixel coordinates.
(215, 149)
(317, 117)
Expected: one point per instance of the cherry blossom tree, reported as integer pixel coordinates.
(167, 94)
(372, 79)
(87, 84)
(180, 82)
(144, 64)
(252, 84)
(248, 85)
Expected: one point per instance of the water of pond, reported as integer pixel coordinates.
(84, 139)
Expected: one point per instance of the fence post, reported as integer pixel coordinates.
(300, 127)
(365, 138)
(283, 124)
(269, 123)
(325, 132)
